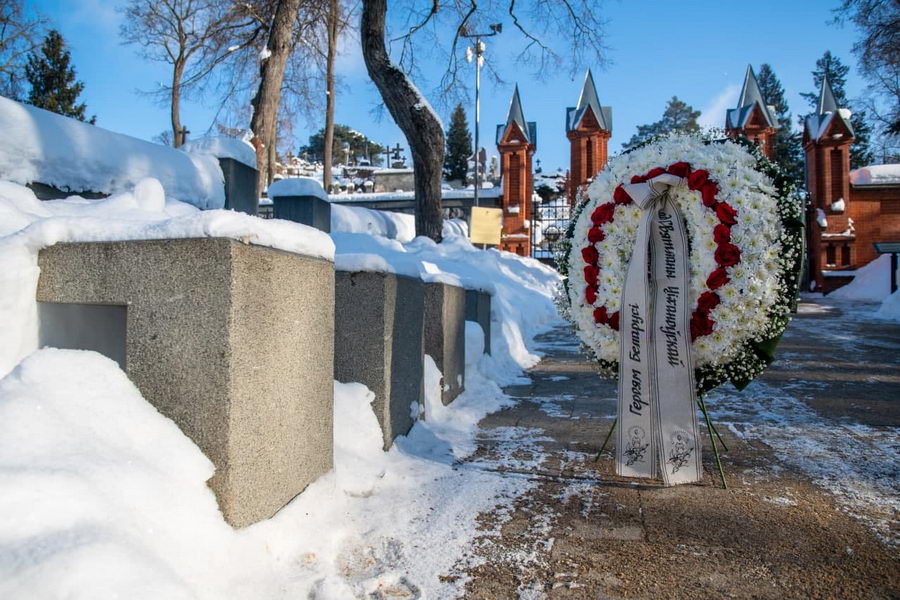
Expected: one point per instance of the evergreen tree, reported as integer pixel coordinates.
(786, 150)
(360, 146)
(832, 67)
(678, 117)
(459, 146)
(52, 79)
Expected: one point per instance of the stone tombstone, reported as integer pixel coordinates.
(302, 200)
(378, 340)
(240, 186)
(478, 309)
(445, 335)
(233, 342)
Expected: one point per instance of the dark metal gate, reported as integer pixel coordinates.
(550, 220)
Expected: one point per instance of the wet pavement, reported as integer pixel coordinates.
(813, 471)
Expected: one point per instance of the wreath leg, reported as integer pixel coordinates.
(716, 431)
(606, 441)
(712, 438)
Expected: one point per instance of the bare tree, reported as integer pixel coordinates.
(194, 36)
(333, 26)
(878, 52)
(433, 30)
(413, 115)
(20, 35)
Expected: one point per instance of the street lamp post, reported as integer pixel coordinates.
(476, 52)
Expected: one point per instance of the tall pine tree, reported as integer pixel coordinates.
(678, 117)
(832, 67)
(459, 146)
(786, 151)
(52, 79)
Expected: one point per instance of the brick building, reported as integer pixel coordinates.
(752, 118)
(848, 210)
(588, 127)
(516, 141)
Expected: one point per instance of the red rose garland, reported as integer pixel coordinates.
(726, 254)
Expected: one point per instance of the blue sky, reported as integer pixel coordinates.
(697, 50)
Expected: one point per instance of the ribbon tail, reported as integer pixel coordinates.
(674, 388)
(635, 448)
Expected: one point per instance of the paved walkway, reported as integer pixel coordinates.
(812, 505)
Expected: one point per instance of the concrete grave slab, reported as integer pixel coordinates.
(445, 335)
(378, 342)
(232, 342)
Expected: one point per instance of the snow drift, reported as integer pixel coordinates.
(70, 155)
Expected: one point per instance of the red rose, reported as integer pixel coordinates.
(721, 233)
(708, 301)
(590, 255)
(590, 275)
(717, 278)
(726, 214)
(708, 192)
(620, 196)
(638, 179)
(603, 213)
(697, 179)
(600, 315)
(596, 235)
(614, 320)
(701, 324)
(727, 255)
(654, 172)
(590, 294)
(680, 169)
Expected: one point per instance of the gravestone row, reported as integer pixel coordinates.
(239, 345)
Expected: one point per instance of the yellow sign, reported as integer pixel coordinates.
(486, 225)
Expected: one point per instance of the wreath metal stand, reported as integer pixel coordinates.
(713, 434)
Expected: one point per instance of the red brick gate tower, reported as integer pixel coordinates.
(827, 136)
(752, 118)
(588, 127)
(516, 141)
(848, 210)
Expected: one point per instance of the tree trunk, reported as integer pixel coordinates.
(268, 96)
(413, 116)
(177, 129)
(333, 19)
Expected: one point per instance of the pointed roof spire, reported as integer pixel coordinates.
(827, 102)
(517, 115)
(817, 124)
(588, 98)
(751, 97)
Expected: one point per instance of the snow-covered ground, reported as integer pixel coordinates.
(102, 496)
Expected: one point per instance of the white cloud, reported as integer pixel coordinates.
(713, 114)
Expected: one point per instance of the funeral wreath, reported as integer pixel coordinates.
(744, 231)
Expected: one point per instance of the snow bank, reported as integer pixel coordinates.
(297, 186)
(104, 497)
(70, 155)
(522, 289)
(890, 308)
(876, 175)
(223, 147)
(355, 219)
(27, 225)
(871, 282)
(92, 506)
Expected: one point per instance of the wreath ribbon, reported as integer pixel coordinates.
(658, 427)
